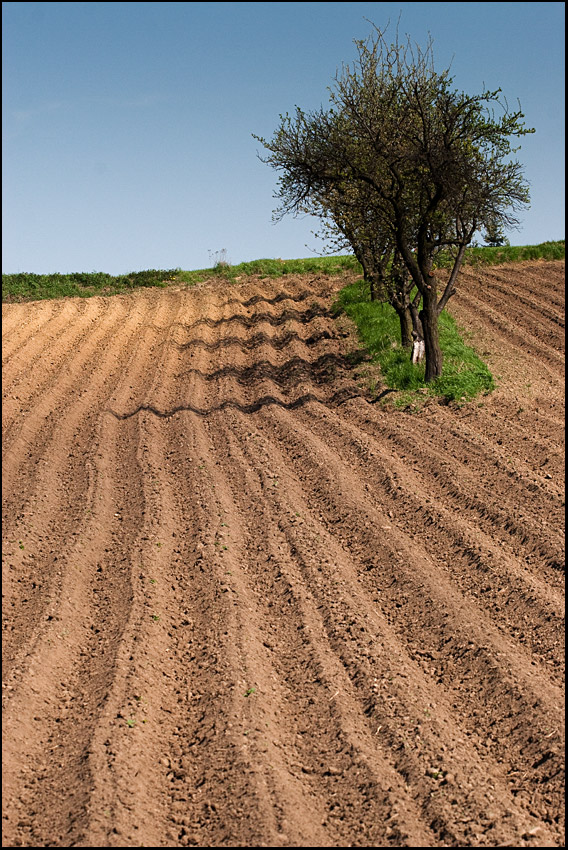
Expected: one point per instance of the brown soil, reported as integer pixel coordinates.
(245, 606)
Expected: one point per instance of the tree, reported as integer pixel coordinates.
(494, 235)
(427, 164)
(349, 221)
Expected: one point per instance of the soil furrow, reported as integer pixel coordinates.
(245, 607)
(430, 605)
(525, 526)
(49, 390)
(322, 560)
(31, 371)
(502, 582)
(23, 329)
(550, 359)
(55, 709)
(546, 325)
(539, 286)
(48, 505)
(305, 673)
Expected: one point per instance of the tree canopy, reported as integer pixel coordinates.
(402, 165)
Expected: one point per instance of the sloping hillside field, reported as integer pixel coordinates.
(245, 605)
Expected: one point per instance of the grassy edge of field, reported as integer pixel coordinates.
(27, 286)
(464, 375)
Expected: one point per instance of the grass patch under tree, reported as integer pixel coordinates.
(464, 374)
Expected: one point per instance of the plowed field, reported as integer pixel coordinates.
(245, 606)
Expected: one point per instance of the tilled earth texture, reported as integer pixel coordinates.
(244, 605)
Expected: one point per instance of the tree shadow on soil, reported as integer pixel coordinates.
(320, 371)
(248, 322)
(340, 397)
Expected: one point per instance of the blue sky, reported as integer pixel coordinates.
(127, 126)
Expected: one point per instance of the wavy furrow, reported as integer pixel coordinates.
(428, 600)
(22, 327)
(550, 359)
(245, 607)
(347, 614)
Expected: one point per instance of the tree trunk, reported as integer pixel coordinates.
(405, 318)
(434, 359)
(416, 323)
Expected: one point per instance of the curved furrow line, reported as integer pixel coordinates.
(246, 608)
(103, 587)
(524, 450)
(550, 359)
(33, 412)
(51, 350)
(286, 793)
(21, 325)
(499, 507)
(539, 278)
(248, 322)
(40, 380)
(241, 757)
(27, 418)
(528, 309)
(436, 608)
(318, 724)
(496, 467)
(545, 326)
(545, 425)
(492, 439)
(35, 356)
(13, 315)
(306, 368)
(266, 294)
(72, 389)
(450, 539)
(144, 709)
(283, 414)
(504, 583)
(53, 712)
(203, 714)
(45, 507)
(550, 428)
(541, 286)
(387, 717)
(461, 435)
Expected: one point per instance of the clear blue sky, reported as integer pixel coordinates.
(127, 126)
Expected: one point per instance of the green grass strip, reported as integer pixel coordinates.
(27, 286)
(274, 268)
(464, 374)
(485, 256)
